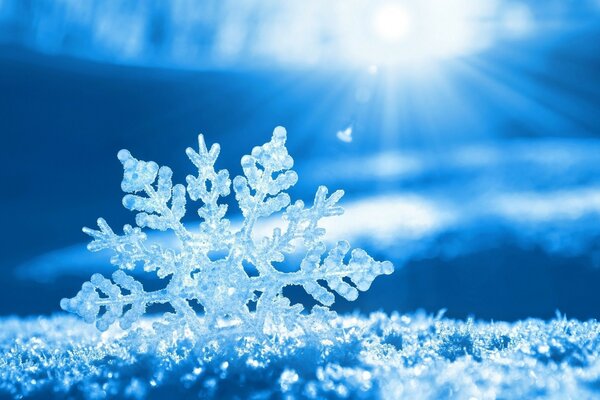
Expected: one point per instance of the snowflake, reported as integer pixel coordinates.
(232, 298)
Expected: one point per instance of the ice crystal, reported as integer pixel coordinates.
(232, 298)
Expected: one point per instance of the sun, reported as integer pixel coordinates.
(391, 22)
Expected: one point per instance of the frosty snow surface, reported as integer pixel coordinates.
(410, 356)
(232, 297)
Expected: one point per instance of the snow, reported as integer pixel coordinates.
(410, 356)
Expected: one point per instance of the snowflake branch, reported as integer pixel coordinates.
(155, 211)
(214, 227)
(302, 223)
(361, 270)
(129, 249)
(87, 303)
(273, 158)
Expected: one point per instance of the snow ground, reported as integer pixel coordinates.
(409, 356)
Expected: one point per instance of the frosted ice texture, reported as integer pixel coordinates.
(377, 357)
(232, 298)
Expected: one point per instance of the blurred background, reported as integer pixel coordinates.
(466, 134)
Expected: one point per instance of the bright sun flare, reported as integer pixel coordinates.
(391, 22)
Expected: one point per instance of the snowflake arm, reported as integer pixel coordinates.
(154, 210)
(302, 223)
(258, 193)
(208, 186)
(361, 270)
(129, 249)
(88, 303)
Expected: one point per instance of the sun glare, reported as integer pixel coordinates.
(392, 22)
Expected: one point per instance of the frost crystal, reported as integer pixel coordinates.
(232, 298)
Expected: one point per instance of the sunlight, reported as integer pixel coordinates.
(391, 22)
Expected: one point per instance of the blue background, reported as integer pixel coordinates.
(69, 101)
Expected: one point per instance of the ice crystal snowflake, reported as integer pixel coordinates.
(230, 296)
